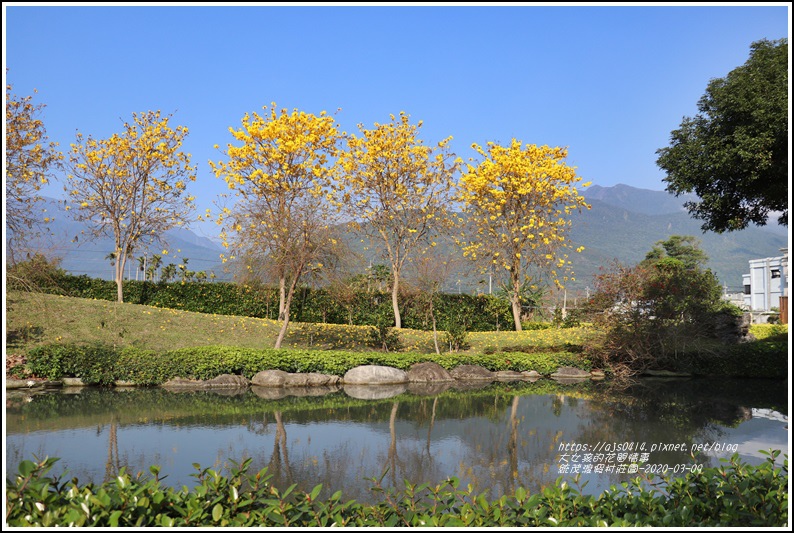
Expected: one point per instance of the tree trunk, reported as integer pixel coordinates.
(394, 302)
(120, 278)
(285, 320)
(282, 282)
(435, 336)
(515, 302)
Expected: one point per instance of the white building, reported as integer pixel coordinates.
(766, 283)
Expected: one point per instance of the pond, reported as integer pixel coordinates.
(495, 438)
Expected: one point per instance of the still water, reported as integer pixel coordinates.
(494, 438)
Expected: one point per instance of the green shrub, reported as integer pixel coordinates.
(536, 326)
(382, 335)
(94, 364)
(38, 273)
(761, 359)
(735, 495)
(457, 331)
(486, 312)
(765, 331)
(102, 365)
(658, 308)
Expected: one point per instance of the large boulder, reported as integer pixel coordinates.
(228, 381)
(180, 383)
(428, 372)
(270, 378)
(279, 378)
(374, 374)
(472, 372)
(569, 372)
(310, 379)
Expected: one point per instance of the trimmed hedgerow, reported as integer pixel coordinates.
(103, 364)
(760, 359)
(362, 308)
(99, 364)
(734, 494)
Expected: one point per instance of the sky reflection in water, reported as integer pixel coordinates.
(495, 439)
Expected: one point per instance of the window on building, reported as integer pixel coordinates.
(775, 273)
(747, 289)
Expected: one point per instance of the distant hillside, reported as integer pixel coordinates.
(81, 256)
(609, 232)
(623, 223)
(637, 200)
(649, 202)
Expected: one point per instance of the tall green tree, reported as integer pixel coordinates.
(650, 313)
(685, 248)
(734, 153)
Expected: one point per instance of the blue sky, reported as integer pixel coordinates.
(608, 82)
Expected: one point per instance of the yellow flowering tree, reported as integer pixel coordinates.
(517, 200)
(397, 190)
(133, 185)
(281, 175)
(29, 162)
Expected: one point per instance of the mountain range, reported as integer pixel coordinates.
(625, 222)
(68, 241)
(622, 224)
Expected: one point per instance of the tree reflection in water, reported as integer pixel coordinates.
(280, 449)
(113, 464)
(495, 439)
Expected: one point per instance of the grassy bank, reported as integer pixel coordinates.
(35, 319)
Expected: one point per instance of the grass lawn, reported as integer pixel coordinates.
(33, 319)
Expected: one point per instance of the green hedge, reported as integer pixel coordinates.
(735, 495)
(482, 312)
(759, 359)
(98, 364)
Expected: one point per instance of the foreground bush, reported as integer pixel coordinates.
(732, 495)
